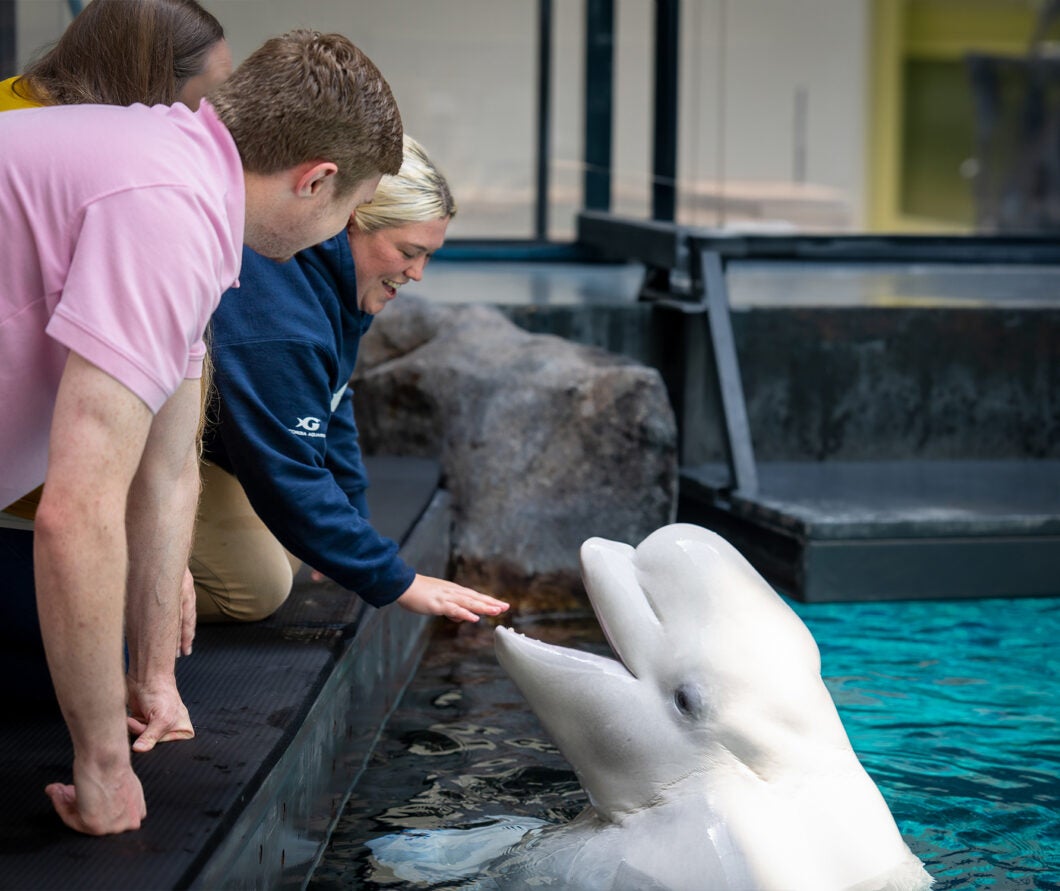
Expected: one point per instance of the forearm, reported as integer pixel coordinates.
(160, 520)
(80, 564)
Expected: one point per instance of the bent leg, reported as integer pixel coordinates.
(242, 573)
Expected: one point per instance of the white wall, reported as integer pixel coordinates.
(464, 74)
(773, 49)
(38, 22)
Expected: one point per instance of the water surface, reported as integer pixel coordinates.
(953, 708)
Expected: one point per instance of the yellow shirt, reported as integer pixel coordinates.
(10, 100)
(25, 507)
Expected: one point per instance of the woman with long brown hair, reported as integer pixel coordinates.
(120, 52)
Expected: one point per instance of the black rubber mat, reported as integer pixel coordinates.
(248, 688)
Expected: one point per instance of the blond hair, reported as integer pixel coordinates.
(307, 96)
(417, 193)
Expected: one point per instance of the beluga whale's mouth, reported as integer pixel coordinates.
(712, 724)
(523, 655)
(658, 691)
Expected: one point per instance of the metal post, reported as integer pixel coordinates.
(664, 139)
(741, 458)
(8, 39)
(544, 115)
(599, 88)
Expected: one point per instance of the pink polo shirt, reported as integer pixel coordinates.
(120, 228)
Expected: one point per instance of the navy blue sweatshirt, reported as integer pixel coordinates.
(283, 345)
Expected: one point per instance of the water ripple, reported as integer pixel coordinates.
(953, 708)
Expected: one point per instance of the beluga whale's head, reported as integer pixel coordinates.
(714, 720)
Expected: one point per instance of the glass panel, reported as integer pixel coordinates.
(754, 284)
(776, 105)
(772, 123)
(568, 107)
(464, 73)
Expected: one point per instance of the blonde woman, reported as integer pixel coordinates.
(283, 479)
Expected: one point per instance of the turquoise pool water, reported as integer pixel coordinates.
(953, 708)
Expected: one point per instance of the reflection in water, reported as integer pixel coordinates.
(462, 750)
(953, 708)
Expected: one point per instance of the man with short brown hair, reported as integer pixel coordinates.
(122, 228)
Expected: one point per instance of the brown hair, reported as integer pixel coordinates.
(118, 52)
(307, 96)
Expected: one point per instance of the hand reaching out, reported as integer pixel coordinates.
(438, 597)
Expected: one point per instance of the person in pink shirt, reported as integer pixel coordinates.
(122, 227)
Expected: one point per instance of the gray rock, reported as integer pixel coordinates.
(543, 443)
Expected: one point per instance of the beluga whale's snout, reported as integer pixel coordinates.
(710, 748)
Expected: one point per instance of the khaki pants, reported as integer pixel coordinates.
(242, 573)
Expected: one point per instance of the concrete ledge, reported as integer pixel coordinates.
(283, 829)
(890, 529)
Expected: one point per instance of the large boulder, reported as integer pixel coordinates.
(543, 442)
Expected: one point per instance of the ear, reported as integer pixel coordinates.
(312, 177)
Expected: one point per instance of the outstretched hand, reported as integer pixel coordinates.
(157, 715)
(438, 597)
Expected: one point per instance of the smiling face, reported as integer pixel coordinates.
(388, 258)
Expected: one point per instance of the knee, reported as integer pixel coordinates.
(247, 593)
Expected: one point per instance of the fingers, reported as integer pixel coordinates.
(150, 734)
(456, 613)
(187, 614)
(64, 800)
(157, 716)
(146, 741)
(438, 597)
(468, 605)
(107, 810)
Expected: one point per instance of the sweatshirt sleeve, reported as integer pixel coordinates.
(273, 418)
(344, 457)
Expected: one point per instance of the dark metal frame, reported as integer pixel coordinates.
(544, 116)
(664, 132)
(685, 276)
(8, 32)
(709, 283)
(599, 101)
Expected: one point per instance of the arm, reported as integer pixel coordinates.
(343, 457)
(160, 516)
(98, 434)
(426, 595)
(265, 389)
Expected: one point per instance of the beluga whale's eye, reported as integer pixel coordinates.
(689, 700)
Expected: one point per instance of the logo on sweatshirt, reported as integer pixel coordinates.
(308, 426)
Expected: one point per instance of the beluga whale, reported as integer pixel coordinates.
(710, 750)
